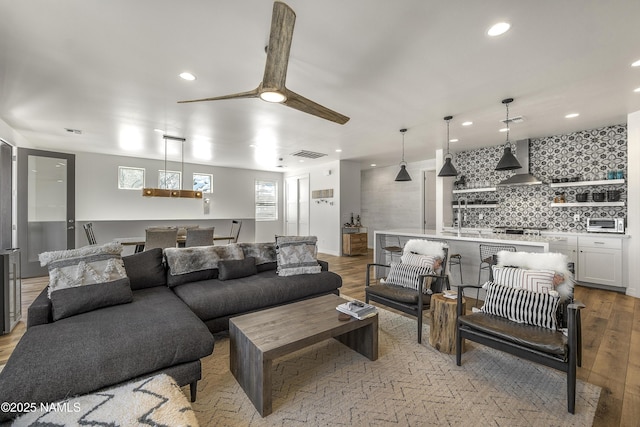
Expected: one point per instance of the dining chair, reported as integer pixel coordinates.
(199, 237)
(88, 229)
(236, 225)
(159, 238)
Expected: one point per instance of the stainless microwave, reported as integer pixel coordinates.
(605, 225)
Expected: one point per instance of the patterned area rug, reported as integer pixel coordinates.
(409, 385)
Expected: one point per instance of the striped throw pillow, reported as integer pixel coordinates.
(417, 259)
(532, 280)
(509, 276)
(407, 275)
(539, 280)
(521, 305)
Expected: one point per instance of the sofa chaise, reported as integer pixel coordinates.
(165, 327)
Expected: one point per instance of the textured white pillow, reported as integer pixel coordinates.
(88, 265)
(296, 255)
(425, 247)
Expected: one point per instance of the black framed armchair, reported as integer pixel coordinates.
(413, 300)
(550, 346)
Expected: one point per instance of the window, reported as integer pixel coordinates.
(130, 178)
(266, 200)
(170, 180)
(202, 182)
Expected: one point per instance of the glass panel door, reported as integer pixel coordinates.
(46, 206)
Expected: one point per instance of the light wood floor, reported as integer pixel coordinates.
(611, 339)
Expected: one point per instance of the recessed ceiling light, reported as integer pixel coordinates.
(467, 123)
(301, 161)
(338, 150)
(571, 115)
(187, 76)
(637, 89)
(499, 28)
(636, 64)
(158, 130)
(373, 165)
(454, 140)
(504, 130)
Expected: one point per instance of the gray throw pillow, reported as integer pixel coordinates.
(81, 299)
(145, 269)
(236, 268)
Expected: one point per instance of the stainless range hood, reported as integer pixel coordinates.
(522, 176)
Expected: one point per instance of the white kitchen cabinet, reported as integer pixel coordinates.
(600, 260)
(569, 247)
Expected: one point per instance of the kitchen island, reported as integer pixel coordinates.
(467, 244)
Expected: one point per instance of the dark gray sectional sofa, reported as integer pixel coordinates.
(167, 327)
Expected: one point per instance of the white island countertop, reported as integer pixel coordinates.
(478, 237)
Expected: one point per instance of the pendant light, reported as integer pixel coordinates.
(508, 161)
(403, 175)
(165, 192)
(448, 169)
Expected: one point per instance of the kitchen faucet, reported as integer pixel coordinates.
(460, 216)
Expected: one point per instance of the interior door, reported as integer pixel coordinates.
(46, 206)
(291, 213)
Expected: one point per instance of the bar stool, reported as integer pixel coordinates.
(391, 246)
(456, 259)
(488, 258)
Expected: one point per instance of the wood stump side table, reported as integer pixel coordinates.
(442, 330)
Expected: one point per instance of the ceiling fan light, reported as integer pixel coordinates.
(273, 96)
(508, 161)
(403, 175)
(448, 169)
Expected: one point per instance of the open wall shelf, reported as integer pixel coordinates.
(586, 204)
(587, 183)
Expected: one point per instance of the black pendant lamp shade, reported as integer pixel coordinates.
(508, 161)
(448, 169)
(403, 175)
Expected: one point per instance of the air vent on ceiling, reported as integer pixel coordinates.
(517, 119)
(76, 131)
(308, 154)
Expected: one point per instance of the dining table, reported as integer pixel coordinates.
(139, 242)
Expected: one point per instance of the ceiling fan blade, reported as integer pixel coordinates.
(282, 23)
(250, 94)
(305, 105)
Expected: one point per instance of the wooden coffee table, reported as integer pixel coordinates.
(256, 339)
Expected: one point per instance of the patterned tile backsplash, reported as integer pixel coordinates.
(587, 155)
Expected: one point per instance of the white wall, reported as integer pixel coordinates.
(98, 198)
(324, 218)
(387, 204)
(633, 204)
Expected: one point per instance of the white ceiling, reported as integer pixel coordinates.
(110, 69)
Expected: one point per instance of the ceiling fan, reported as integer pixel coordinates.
(272, 88)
